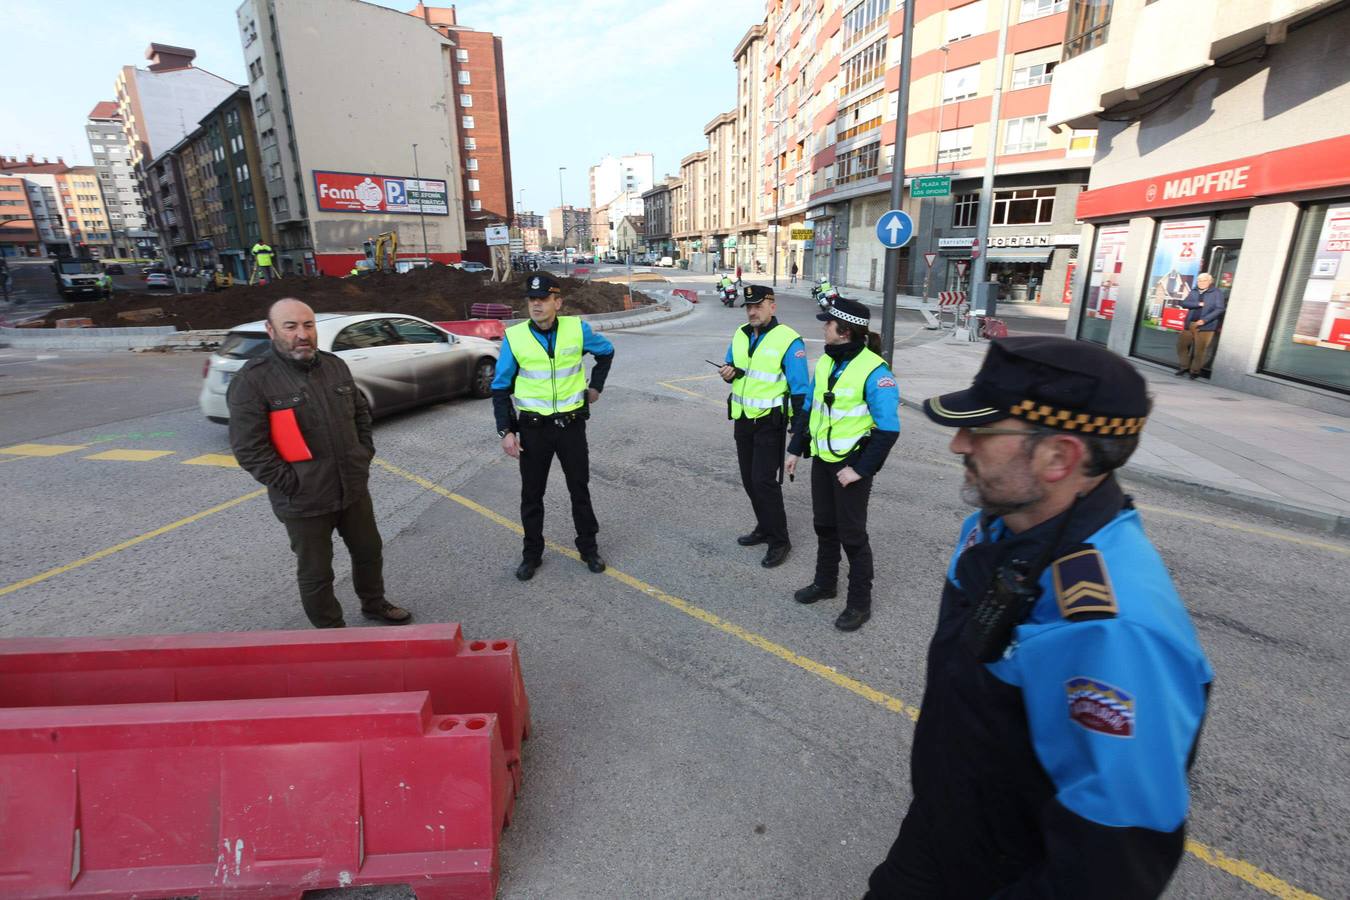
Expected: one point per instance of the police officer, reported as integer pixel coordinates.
(854, 422)
(263, 259)
(766, 368)
(1066, 686)
(540, 368)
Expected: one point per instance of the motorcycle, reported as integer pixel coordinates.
(824, 297)
(729, 296)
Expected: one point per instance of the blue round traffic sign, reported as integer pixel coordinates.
(895, 228)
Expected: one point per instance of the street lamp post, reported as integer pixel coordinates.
(892, 268)
(562, 215)
(777, 192)
(426, 252)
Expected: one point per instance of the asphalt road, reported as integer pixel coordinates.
(695, 732)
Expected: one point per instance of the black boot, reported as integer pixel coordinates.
(751, 539)
(852, 618)
(813, 592)
(776, 555)
(525, 571)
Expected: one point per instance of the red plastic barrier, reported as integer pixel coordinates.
(461, 677)
(490, 310)
(691, 296)
(264, 798)
(492, 329)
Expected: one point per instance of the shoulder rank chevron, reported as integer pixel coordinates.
(1082, 587)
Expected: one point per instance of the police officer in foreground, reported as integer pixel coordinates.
(1065, 684)
(766, 368)
(855, 420)
(299, 425)
(540, 369)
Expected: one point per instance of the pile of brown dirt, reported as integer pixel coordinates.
(438, 294)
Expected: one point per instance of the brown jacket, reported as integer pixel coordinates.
(334, 421)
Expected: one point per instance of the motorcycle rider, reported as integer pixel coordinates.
(728, 289)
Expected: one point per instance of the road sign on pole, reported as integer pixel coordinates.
(931, 186)
(894, 228)
(930, 258)
(961, 266)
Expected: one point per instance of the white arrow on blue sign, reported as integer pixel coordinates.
(895, 228)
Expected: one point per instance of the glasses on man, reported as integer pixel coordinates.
(1024, 432)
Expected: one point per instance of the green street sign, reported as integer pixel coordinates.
(931, 186)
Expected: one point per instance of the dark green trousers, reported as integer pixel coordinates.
(312, 543)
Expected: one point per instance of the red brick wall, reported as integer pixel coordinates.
(487, 87)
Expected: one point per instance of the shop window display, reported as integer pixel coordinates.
(1103, 283)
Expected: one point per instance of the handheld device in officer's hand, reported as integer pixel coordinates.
(1004, 606)
(740, 373)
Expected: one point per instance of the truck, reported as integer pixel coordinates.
(77, 277)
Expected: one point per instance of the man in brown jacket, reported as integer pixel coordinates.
(299, 425)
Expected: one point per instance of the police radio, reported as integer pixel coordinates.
(1004, 606)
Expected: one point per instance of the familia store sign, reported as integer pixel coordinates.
(355, 192)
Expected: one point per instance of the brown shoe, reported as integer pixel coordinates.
(387, 613)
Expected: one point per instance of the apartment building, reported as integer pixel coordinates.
(613, 176)
(1223, 150)
(352, 150)
(106, 133)
(39, 181)
(748, 222)
(66, 203)
(569, 226)
(689, 205)
(18, 228)
(85, 216)
(658, 217)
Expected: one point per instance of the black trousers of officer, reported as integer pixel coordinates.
(760, 447)
(312, 542)
(840, 518)
(538, 445)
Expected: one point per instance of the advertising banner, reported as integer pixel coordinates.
(1177, 260)
(383, 194)
(1104, 280)
(1324, 314)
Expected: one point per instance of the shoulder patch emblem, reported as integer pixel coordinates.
(800, 354)
(1100, 707)
(1082, 587)
(886, 381)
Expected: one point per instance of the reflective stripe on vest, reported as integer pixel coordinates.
(763, 388)
(837, 428)
(548, 385)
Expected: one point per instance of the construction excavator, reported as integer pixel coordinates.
(381, 252)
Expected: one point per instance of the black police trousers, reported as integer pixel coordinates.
(760, 447)
(840, 518)
(312, 542)
(538, 445)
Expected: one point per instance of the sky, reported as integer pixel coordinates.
(583, 79)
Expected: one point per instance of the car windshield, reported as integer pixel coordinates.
(79, 267)
(244, 344)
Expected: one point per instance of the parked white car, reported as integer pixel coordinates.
(397, 361)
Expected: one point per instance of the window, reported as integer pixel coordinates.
(473, 185)
(1024, 206)
(965, 21)
(862, 20)
(268, 138)
(274, 171)
(467, 122)
(364, 335)
(961, 84)
(461, 56)
(1088, 21)
(865, 67)
(464, 77)
(1082, 142)
(280, 207)
(97, 148)
(465, 100)
(1034, 9)
(956, 143)
(858, 163)
(471, 165)
(475, 206)
(1024, 135)
(255, 70)
(861, 115)
(1031, 76)
(261, 106)
(413, 332)
(470, 143)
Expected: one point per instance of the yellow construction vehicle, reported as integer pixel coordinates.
(381, 253)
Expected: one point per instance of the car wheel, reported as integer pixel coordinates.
(483, 373)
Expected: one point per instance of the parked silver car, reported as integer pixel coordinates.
(397, 361)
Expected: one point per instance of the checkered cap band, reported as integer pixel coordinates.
(1085, 423)
(848, 317)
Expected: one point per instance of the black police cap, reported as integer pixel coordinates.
(845, 310)
(542, 284)
(756, 293)
(1050, 382)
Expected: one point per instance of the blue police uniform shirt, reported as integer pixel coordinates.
(1114, 704)
(592, 343)
(794, 364)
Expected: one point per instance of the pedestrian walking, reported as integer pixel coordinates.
(300, 426)
(738, 276)
(1065, 684)
(1205, 306)
(765, 365)
(540, 368)
(792, 273)
(854, 422)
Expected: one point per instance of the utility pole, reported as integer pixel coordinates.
(979, 266)
(892, 271)
(562, 215)
(937, 166)
(417, 173)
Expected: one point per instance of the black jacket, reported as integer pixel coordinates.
(334, 421)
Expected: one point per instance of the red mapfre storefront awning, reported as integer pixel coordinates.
(1307, 167)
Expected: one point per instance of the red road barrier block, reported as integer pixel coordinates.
(490, 310)
(462, 677)
(691, 296)
(264, 798)
(492, 329)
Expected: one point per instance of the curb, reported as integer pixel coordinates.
(128, 338)
(676, 308)
(1316, 518)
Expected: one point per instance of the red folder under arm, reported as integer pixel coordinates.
(286, 437)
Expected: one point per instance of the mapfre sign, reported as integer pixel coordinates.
(1308, 167)
(383, 194)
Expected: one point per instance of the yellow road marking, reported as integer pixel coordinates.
(41, 449)
(131, 455)
(691, 378)
(9, 459)
(696, 396)
(102, 554)
(1218, 859)
(224, 460)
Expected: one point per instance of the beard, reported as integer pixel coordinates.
(1003, 496)
(295, 349)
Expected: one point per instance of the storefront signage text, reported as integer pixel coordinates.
(381, 194)
(1234, 179)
